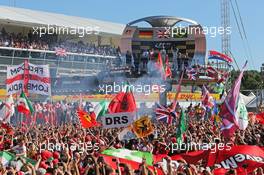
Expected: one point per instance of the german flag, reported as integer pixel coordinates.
(87, 120)
(145, 34)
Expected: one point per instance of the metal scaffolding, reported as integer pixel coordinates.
(225, 22)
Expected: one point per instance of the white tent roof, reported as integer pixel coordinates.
(255, 102)
(249, 98)
(30, 18)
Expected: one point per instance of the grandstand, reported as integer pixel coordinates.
(78, 63)
(84, 54)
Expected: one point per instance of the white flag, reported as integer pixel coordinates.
(241, 114)
(7, 109)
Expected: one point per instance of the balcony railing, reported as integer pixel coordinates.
(72, 63)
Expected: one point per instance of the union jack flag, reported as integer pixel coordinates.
(211, 72)
(165, 114)
(163, 34)
(61, 52)
(191, 73)
(223, 76)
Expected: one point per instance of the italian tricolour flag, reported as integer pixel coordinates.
(100, 109)
(6, 157)
(132, 155)
(24, 105)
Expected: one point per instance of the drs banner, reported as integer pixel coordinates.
(117, 120)
(35, 79)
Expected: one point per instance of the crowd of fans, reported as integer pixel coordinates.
(57, 123)
(52, 42)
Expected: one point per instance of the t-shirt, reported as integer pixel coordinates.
(20, 150)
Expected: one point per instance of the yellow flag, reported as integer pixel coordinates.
(143, 127)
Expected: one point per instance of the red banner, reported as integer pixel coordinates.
(111, 161)
(243, 158)
(191, 157)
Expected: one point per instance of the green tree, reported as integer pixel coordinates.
(251, 80)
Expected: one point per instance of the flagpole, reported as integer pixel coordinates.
(26, 80)
(14, 106)
(178, 92)
(26, 76)
(20, 115)
(52, 114)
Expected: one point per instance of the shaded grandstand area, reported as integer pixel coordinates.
(81, 56)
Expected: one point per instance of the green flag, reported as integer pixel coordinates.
(6, 157)
(100, 109)
(181, 127)
(132, 155)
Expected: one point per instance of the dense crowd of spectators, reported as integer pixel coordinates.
(87, 48)
(57, 124)
(52, 42)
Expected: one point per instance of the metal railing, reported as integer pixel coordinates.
(72, 63)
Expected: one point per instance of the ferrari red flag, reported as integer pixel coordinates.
(87, 120)
(123, 102)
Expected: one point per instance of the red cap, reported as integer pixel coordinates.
(46, 154)
(55, 161)
(43, 165)
(56, 155)
(173, 140)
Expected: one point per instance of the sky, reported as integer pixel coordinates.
(205, 12)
